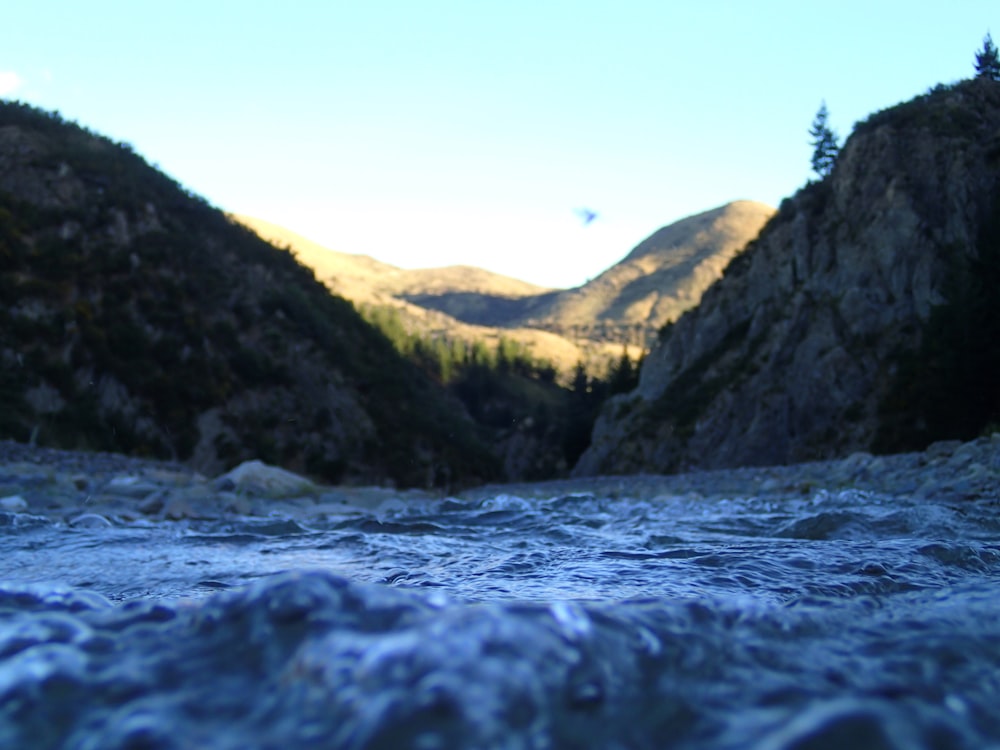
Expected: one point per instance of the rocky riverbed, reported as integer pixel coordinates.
(85, 487)
(849, 603)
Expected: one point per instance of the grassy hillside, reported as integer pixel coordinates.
(653, 285)
(659, 280)
(459, 299)
(349, 273)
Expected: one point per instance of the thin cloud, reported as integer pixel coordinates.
(9, 82)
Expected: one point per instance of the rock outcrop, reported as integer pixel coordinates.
(796, 352)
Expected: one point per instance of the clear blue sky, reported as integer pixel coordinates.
(436, 132)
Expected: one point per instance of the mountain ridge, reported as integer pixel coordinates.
(337, 268)
(663, 276)
(626, 304)
(141, 320)
(368, 282)
(860, 320)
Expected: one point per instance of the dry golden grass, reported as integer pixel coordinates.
(664, 276)
(368, 282)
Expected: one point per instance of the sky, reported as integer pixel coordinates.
(440, 132)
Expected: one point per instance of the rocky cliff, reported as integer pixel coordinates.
(836, 330)
(137, 318)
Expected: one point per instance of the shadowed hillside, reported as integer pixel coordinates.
(137, 318)
(534, 393)
(864, 317)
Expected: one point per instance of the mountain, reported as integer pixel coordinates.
(354, 276)
(485, 296)
(139, 319)
(662, 277)
(658, 280)
(522, 386)
(863, 318)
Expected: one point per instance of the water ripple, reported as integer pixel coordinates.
(812, 621)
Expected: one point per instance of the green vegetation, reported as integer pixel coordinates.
(824, 143)
(930, 110)
(988, 61)
(137, 308)
(142, 308)
(950, 387)
(510, 394)
(446, 358)
(934, 111)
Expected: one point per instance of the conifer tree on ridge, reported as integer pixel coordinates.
(824, 143)
(988, 60)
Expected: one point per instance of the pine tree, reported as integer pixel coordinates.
(623, 376)
(581, 383)
(988, 61)
(824, 143)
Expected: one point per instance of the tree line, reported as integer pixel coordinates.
(505, 389)
(445, 358)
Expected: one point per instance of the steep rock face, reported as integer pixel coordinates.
(348, 274)
(790, 355)
(136, 318)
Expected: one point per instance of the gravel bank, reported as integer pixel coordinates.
(75, 486)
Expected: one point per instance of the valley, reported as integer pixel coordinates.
(859, 316)
(622, 308)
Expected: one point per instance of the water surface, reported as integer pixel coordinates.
(819, 620)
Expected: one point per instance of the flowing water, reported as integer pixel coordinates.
(826, 620)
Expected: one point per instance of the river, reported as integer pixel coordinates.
(789, 620)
